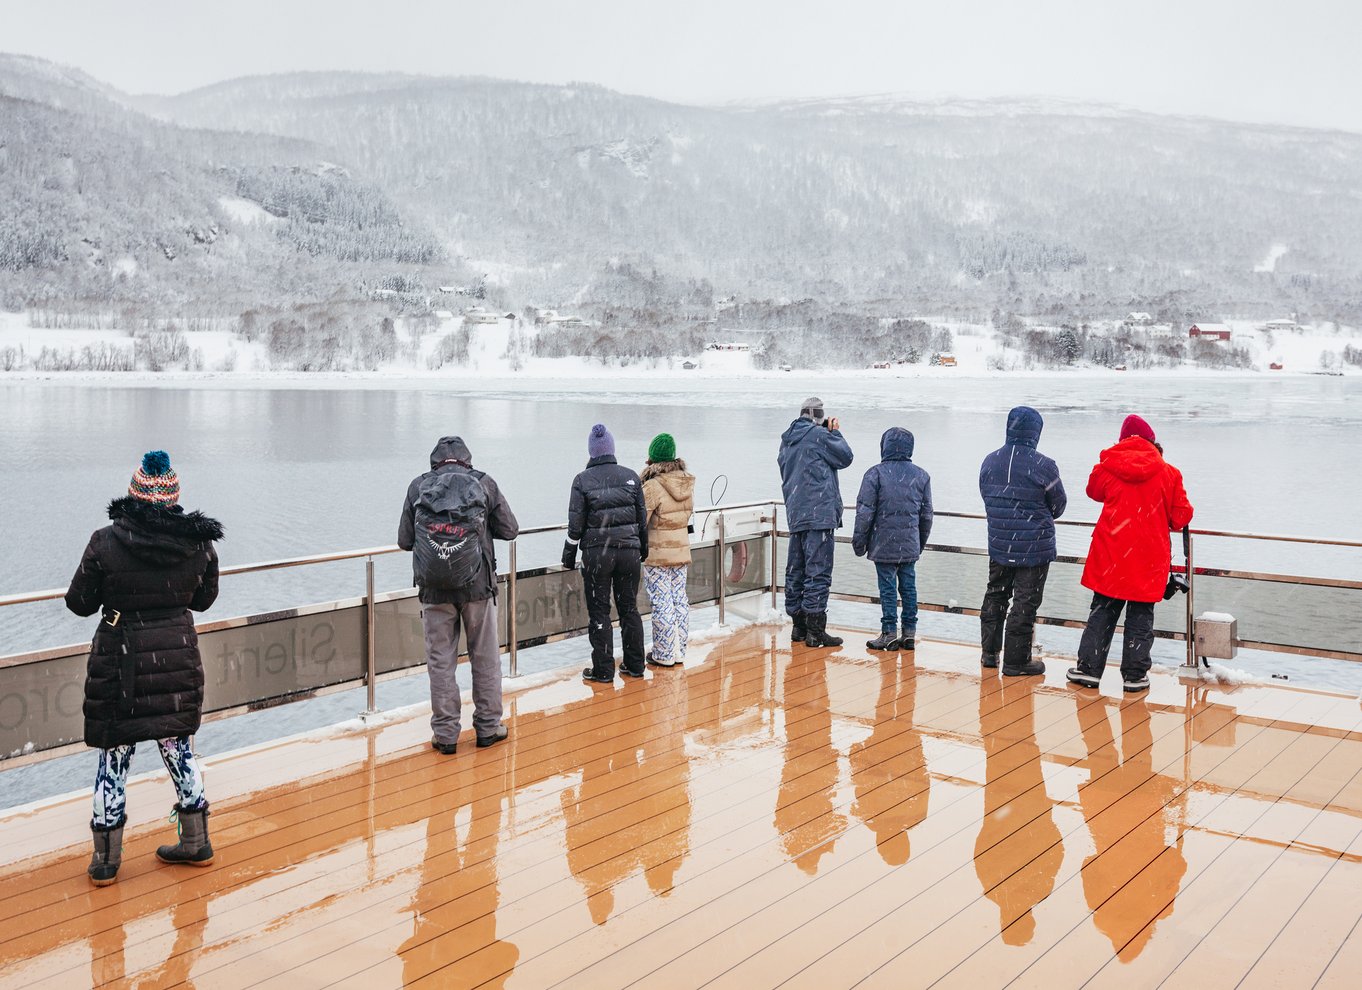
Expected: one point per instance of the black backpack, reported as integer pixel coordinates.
(451, 517)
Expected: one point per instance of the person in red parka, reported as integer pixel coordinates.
(1143, 500)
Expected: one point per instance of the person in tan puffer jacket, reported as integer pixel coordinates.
(668, 493)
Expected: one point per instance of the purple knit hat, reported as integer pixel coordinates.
(600, 443)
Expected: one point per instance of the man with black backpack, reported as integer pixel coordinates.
(449, 519)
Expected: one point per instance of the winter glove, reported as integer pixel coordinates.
(570, 555)
(859, 551)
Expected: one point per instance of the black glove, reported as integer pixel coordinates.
(643, 553)
(570, 555)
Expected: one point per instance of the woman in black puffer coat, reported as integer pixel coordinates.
(144, 679)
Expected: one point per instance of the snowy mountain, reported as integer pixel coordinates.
(882, 204)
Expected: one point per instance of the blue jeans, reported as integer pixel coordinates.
(896, 579)
(808, 571)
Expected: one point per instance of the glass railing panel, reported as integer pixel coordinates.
(1293, 615)
(955, 580)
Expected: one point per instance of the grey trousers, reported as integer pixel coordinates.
(479, 621)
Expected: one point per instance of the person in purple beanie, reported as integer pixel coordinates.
(608, 520)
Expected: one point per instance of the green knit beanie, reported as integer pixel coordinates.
(663, 448)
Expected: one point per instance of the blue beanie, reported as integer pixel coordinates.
(600, 442)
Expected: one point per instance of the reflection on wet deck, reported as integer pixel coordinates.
(762, 818)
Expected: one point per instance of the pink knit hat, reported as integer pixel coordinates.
(1134, 426)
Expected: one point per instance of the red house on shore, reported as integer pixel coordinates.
(1209, 331)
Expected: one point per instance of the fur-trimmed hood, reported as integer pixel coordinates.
(656, 470)
(673, 477)
(161, 533)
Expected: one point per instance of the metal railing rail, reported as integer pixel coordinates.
(769, 521)
(372, 597)
(1189, 568)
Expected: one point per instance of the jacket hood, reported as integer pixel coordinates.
(659, 468)
(1134, 459)
(161, 534)
(896, 445)
(678, 484)
(450, 449)
(798, 430)
(1023, 426)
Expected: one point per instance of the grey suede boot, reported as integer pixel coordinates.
(884, 641)
(193, 849)
(108, 855)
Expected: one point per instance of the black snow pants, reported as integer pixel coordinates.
(1138, 641)
(1024, 587)
(613, 572)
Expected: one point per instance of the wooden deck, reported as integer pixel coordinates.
(762, 818)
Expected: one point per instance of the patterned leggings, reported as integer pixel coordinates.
(671, 611)
(111, 781)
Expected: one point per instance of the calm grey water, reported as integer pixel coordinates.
(305, 470)
(293, 471)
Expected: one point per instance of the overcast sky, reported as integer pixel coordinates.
(1288, 61)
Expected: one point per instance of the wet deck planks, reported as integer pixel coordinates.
(762, 818)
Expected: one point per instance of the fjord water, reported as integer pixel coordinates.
(301, 470)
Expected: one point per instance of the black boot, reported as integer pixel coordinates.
(1029, 669)
(798, 630)
(907, 639)
(884, 641)
(1077, 675)
(108, 857)
(193, 849)
(817, 636)
(989, 661)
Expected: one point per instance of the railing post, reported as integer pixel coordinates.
(723, 551)
(1191, 595)
(371, 646)
(775, 529)
(511, 633)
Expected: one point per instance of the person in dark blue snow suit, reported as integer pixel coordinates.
(812, 451)
(893, 521)
(1023, 496)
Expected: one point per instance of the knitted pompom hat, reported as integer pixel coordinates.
(662, 449)
(600, 442)
(154, 481)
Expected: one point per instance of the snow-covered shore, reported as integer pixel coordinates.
(606, 378)
(501, 353)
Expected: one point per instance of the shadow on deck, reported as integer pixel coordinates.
(761, 818)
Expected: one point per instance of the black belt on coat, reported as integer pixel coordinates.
(127, 661)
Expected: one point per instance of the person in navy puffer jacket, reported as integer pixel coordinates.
(1023, 496)
(893, 521)
(812, 451)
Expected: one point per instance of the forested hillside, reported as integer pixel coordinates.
(105, 207)
(882, 206)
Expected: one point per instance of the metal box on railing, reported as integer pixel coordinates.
(1217, 635)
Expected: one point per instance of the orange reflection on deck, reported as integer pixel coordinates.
(761, 818)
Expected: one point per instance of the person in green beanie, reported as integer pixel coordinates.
(668, 495)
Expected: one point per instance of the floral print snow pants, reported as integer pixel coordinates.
(111, 780)
(671, 611)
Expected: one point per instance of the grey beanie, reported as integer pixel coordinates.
(812, 409)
